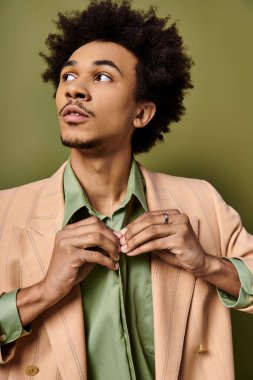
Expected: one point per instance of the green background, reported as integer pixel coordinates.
(213, 141)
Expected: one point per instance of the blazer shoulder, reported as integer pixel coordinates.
(19, 199)
(196, 184)
(182, 184)
(22, 190)
(190, 195)
(28, 189)
(15, 201)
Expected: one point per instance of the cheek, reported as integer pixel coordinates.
(117, 102)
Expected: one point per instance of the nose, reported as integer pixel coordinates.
(76, 90)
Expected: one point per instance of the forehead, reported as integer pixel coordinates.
(97, 50)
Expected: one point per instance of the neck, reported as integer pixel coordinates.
(103, 178)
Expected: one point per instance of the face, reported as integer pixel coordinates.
(95, 98)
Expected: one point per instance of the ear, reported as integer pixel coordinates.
(145, 112)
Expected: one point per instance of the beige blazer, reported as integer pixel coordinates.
(192, 327)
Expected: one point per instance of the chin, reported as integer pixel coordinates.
(80, 143)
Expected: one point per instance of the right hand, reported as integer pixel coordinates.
(75, 245)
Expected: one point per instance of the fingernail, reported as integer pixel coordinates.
(123, 240)
(116, 265)
(118, 234)
(124, 248)
(123, 231)
(117, 257)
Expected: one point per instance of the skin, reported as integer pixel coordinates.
(107, 94)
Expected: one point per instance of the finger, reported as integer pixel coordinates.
(149, 214)
(148, 219)
(96, 226)
(98, 239)
(118, 234)
(91, 239)
(150, 233)
(84, 222)
(150, 246)
(95, 257)
(99, 258)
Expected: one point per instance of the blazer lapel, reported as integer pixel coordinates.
(172, 292)
(63, 321)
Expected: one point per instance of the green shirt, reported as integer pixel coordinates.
(118, 312)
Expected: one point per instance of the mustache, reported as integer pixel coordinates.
(79, 105)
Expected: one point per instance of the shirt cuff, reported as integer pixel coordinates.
(245, 297)
(10, 324)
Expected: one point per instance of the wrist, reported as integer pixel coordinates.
(220, 273)
(210, 266)
(32, 301)
(47, 297)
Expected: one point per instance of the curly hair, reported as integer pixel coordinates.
(163, 68)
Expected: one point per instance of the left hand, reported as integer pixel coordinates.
(175, 242)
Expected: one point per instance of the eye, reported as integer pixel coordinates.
(68, 77)
(103, 78)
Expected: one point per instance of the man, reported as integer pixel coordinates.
(111, 271)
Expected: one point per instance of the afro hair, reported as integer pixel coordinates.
(163, 68)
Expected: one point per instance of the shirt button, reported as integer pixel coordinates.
(31, 370)
(3, 338)
(201, 348)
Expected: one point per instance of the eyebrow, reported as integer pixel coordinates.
(69, 63)
(101, 62)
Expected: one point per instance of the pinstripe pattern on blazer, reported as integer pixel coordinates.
(187, 311)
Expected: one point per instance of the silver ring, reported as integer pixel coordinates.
(166, 218)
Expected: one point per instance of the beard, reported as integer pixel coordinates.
(81, 144)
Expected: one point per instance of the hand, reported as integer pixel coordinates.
(175, 242)
(77, 248)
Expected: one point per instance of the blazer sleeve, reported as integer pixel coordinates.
(236, 242)
(7, 346)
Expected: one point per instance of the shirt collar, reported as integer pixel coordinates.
(75, 197)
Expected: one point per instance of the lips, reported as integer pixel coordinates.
(73, 114)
